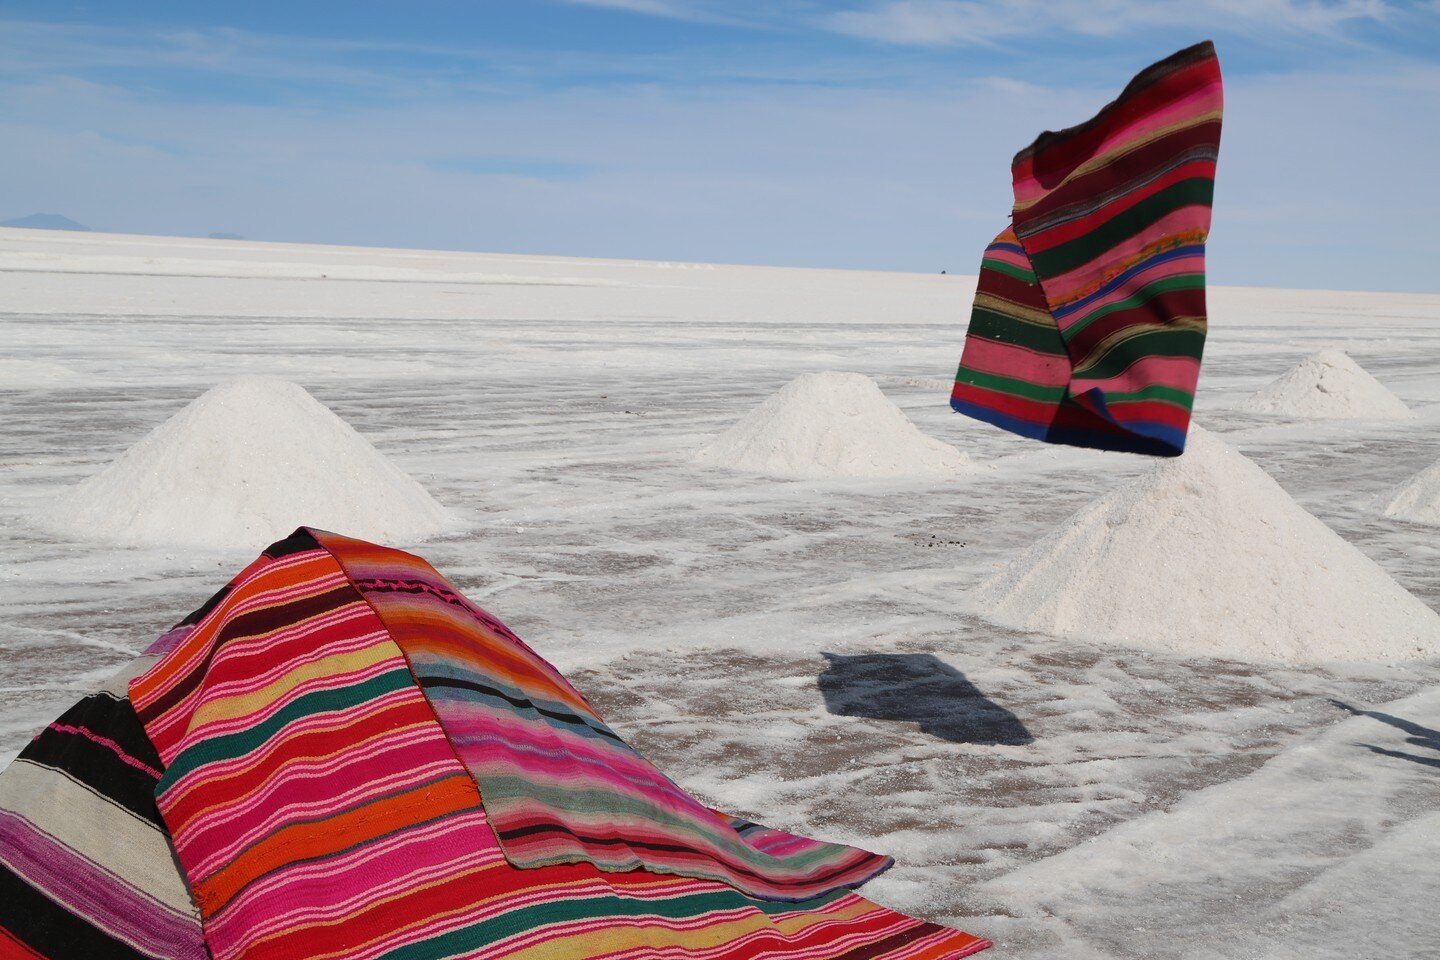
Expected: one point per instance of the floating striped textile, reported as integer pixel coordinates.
(85, 866)
(318, 809)
(1089, 318)
(560, 786)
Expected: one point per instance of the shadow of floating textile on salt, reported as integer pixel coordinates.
(1418, 736)
(919, 688)
(1402, 755)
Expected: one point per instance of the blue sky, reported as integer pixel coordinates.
(871, 134)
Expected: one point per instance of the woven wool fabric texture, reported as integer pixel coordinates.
(560, 786)
(318, 808)
(1089, 318)
(85, 865)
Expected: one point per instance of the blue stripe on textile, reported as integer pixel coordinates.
(1120, 278)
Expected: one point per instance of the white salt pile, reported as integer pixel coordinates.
(1206, 555)
(1328, 385)
(1417, 499)
(242, 466)
(831, 425)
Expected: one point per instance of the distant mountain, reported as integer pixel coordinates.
(226, 236)
(44, 221)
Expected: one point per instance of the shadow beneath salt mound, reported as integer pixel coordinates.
(1419, 736)
(919, 688)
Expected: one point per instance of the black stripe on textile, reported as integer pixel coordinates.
(250, 624)
(522, 702)
(1154, 160)
(892, 943)
(203, 611)
(1050, 139)
(65, 746)
(50, 930)
(298, 542)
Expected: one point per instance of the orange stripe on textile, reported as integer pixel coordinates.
(1103, 272)
(560, 786)
(325, 813)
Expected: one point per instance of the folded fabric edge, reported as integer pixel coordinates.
(1180, 58)
(314, 538)
(1172, 444)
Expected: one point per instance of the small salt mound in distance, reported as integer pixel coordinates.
(831, 425)
(1328, 385)
(1205, 555)
(1418, 499)
(242, 466)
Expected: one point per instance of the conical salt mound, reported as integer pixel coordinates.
(1328, 386)
(1418, 499)
(831, 425)
(1206, 555)
(249, 460)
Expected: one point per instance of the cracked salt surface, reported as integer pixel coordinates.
(1063, 797)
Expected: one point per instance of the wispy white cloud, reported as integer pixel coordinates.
(279, 66)
(979, 22)
(659, 8)
(947, 22)
(797, 174)
(776, 12)
(40, 48)
(805, 153)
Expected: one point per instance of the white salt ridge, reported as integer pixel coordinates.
(1338, 838)
(1205, 555)
(242, 466)
(831, 425)
(1328, 386)
(1418, 499)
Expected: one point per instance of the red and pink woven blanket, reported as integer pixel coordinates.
(351, 760)
(1089, 317)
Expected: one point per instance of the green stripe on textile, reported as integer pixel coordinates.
(1155, 342)
(502, 792)
(989, 325)
(558, 912)
(1010, 270)
(1154, 392)
(1116, 402)
(1195, 191)
(242, 742)
(1186, 281)
(1011, 385)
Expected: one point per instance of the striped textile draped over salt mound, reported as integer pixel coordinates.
(85, 865)
(1089, 317)
(318, 809)
(559, 785)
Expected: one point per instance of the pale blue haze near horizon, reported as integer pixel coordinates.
(869, 134)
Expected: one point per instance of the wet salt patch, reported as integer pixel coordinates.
(25, 374)
(1153, 731)
(936, 384)
(1332, 829)
(1163, 726)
